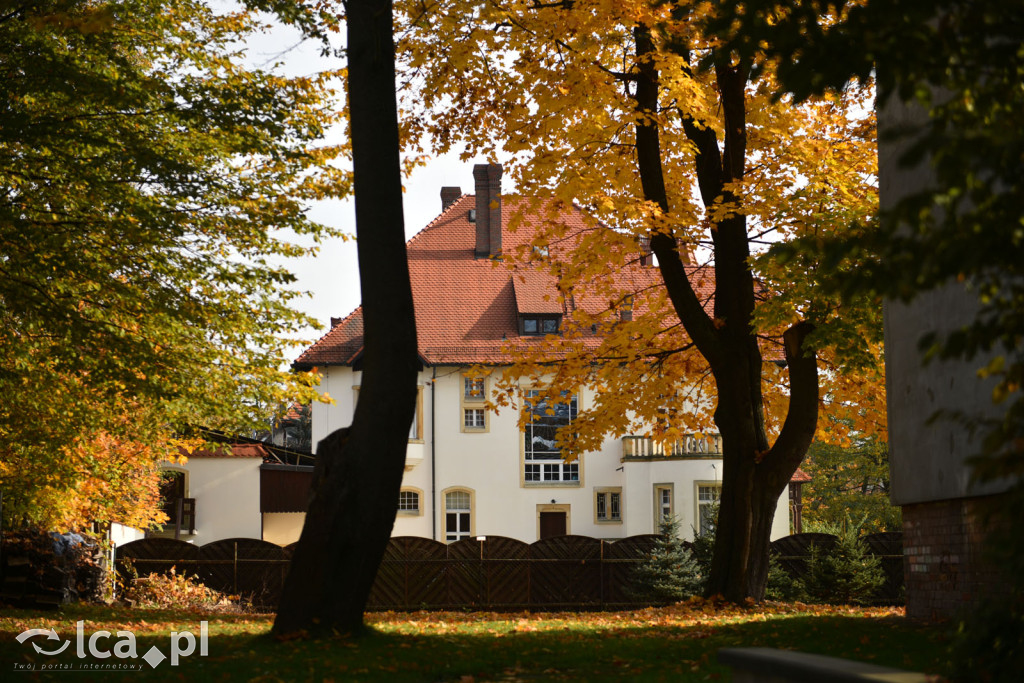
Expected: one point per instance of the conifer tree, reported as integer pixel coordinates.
(670, 572)
(846, 574)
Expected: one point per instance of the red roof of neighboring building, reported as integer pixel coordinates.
(467, 308)
(237, 450)
(799, 477)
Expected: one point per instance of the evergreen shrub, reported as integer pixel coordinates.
(669, 573)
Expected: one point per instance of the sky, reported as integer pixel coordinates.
(331, 278)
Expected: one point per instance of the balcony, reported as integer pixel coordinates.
(181, 513)
(690, 446)
(413, 455)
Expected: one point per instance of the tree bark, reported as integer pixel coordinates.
(754, 473)
(359, 470)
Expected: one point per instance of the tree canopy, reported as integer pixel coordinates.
(147, 180)
(671, 140)
(849, 483)
(963, 63)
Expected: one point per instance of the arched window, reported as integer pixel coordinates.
(458, 515)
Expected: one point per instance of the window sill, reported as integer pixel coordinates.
(552, 484)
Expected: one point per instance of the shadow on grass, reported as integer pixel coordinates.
(492, 649)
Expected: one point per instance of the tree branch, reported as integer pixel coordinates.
(802, 418)
(680, 290)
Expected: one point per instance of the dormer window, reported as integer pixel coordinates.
(539, 324)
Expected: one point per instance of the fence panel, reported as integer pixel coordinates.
(390, 586)
(464, 578)
(889, 547)
(794, 551)
(250, 567)
(157, 556)
(565, 572)
(413, 575)
(620, 559)
(506, 572)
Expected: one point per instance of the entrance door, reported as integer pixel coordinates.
(552, 524)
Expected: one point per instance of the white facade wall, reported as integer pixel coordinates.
(121, 534)
(489, 464)
(227, 493)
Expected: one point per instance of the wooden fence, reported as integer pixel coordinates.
(247, 567)
(567, 572)
(564, 573)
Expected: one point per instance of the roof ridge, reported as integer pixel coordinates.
(437, 218)
(326, 334)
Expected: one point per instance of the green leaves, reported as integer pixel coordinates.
(145, 175)
(850, 482)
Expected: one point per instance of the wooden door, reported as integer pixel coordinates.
(552, 524)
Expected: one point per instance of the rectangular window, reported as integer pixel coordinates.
(707, 507)
(543, 461)
(409, 502)
(473, 388)
(608, 505)
(664, 508)
(474, 398)
(539, 325)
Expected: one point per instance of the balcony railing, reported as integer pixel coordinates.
(691, 445)
(181, 513)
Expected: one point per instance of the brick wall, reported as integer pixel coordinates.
(944, 562)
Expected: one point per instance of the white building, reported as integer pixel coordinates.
(474, 472)
(229, 490)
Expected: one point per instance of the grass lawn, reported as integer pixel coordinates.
(675, 643)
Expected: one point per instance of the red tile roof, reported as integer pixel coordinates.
(237, 450)
(537, 292)
(467, 308)
(799, 477)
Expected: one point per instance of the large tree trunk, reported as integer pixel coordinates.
(359, 475)
(754, 473)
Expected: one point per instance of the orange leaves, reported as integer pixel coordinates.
(705, 614)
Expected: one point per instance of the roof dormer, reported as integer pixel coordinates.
(538, 304)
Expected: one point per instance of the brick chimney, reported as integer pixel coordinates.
(487, 178)
(449, 195)
(646, 255)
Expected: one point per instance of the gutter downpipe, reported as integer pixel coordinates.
(433, 452)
